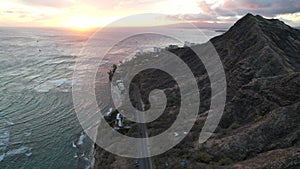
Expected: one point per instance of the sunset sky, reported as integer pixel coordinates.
(98, 13)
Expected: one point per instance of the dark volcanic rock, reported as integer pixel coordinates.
(280, 159)
(278, 129)
(256, 47)
(260, 126)
(261, 58)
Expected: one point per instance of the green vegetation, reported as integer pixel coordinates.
(112, 72)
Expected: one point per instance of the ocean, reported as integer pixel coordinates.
(38, 125)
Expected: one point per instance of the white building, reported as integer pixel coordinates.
(121, 85)
(156, 49)
(188, 44)
(139, 52)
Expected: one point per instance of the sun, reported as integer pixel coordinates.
(83, 23)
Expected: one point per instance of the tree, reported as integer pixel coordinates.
(111, 72)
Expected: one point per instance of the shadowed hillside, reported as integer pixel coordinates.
(260, 126)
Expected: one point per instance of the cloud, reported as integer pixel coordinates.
(268, 8)
(230, 10)
(132, 3)
(49, 3)
(205, 7)
(8, 11)
(210, 11)
(99, 4)
(193, 17)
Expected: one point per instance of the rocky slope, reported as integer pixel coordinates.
(262, 60)
(260, 126)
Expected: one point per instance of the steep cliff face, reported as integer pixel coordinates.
(260, 126)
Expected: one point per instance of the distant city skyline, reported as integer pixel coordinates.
(85, 14)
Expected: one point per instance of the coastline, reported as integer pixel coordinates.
(94, 145)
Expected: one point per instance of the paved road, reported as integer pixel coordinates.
(142, 163)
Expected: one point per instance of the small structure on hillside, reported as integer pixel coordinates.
(121, 121)
(156, 49)
(120, 85)
(172, 47)
(188, 44)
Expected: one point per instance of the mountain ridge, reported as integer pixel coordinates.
(263, 78)
(260, 127)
